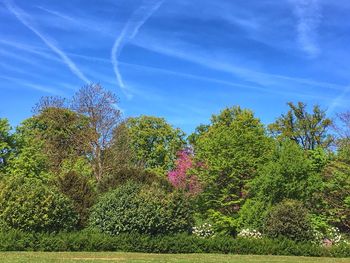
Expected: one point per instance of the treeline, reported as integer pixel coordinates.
(77, 164)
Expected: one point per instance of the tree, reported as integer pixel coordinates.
(120, 155)
(65, 135)
(79, 189)
(182, 177)
(154, 142)
(232, 148)
(289, 174)
(57, 134)
(336, 193)
(342, 130)
(49, 102)
(28, 157)
(307, 129)
(6, 143)
(99, 105)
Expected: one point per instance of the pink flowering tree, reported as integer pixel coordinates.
(182, 176)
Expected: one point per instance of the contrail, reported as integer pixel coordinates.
(21, 16)
(129, 31)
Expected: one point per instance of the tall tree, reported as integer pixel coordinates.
(232, 148)
(47, 140)
(100, 106)
(310, 130)
(154, 142)
(65, 135)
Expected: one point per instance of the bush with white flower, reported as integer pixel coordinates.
(205, 230)
(250, 233)
(331, 234)
(324, 234)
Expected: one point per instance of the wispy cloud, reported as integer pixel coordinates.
(338, 101)
(129, 31)
(74, 21)
(308, 14)
(25, 20)
(194, 54)
(31, 85)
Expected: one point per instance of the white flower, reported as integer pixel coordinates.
(205, 230)
(249, 233)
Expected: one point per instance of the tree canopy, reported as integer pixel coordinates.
(310, 130)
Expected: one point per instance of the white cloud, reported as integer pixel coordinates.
(308, 14)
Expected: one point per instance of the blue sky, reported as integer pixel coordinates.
(179, 59)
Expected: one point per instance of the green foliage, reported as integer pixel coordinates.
(48, 140)
(131, 208)
(30, 205)
(290, 174)
(154, 142)
(289, 219)
(307, 129)
(80, 190)
(253, 214)
(232, 148)
(28, 159)
(126, 174)
(319, 158)
(181, 243)
(222, 224)
(336, 194)
(6, 143)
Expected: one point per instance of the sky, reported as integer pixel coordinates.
(183, 60)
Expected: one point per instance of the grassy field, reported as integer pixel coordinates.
(40, 257)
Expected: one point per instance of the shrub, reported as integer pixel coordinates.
(133, 208)
(289, 219)
(29, 205)
(181, 243)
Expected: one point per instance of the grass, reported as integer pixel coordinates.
(69, 257)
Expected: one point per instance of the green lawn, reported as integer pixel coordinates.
(29, 257)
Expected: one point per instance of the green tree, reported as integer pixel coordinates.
(154, 142)
(231, 148)
(46, 140)
(65, 135)
(28, 159)
(336, 193)
(6, 143)
(310, 130)
(80, 190)
(289, 174)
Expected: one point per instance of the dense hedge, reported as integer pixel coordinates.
(15, 240)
